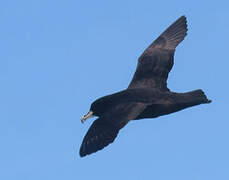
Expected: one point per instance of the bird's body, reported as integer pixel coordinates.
(147, 95)
(156, 102)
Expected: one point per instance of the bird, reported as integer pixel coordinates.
(147, 95)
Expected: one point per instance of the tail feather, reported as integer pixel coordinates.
(199, 95)
(181, 101)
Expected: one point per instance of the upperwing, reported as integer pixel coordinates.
(156, 61)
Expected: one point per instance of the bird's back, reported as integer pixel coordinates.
(142, 95)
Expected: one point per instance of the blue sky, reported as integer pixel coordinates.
(59, 56)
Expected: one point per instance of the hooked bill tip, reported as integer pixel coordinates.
(85, 117)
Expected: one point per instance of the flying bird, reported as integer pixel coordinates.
(147, 95)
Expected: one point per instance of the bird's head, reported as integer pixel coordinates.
(97, 108)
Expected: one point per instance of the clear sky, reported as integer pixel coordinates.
(58, 56)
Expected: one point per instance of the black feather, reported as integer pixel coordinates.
(147, 96)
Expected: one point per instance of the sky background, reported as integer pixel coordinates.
(59, 56)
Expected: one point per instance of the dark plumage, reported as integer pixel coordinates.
(147, 95)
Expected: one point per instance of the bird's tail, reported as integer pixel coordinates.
(198, 96)
(192, 98)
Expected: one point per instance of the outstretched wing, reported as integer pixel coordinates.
(156, 61)
(104, 130)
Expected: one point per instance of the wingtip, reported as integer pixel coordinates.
(209, 101)
(82, 155)
(173, 35)
(183, 17)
